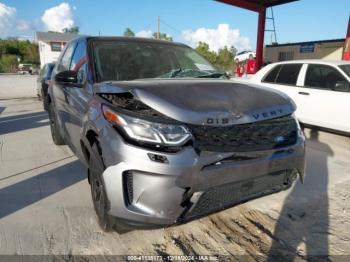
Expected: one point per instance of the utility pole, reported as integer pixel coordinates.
(158, 27)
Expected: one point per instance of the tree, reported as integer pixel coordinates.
(162, 36)
(8, 63)
(203, 49)
(128, 32)
(72, 30)
(11, 49)
(225, 58)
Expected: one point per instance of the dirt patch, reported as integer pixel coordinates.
(237, 232)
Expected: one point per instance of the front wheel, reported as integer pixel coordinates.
(98, 192)
(44, 99)
(55, 132)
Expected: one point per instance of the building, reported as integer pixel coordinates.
(325, 49)
(51, 44)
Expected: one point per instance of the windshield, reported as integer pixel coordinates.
(116, 60)
(346, 69)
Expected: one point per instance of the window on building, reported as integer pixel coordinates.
(56, 46)
(288, 74)
(322, 76)
(285, 56)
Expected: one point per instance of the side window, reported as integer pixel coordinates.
(322, 76)
(272, 75)
(66, 58)
(78, 62)
(288, 74)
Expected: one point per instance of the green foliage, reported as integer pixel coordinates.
(203, 49)
(223, 59)
(128, 32)
(72, 30)
(8, 63)
(11, 49)
(162, 36)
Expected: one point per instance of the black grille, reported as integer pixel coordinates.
(263, 135)
(221, 197)
(128, 188)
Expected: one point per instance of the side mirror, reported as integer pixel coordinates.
(68, 78)
(342, 86)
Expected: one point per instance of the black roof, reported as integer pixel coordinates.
(308, 42)
(55, 36)
(129, 39)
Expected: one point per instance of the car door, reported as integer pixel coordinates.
(61, 100)
(78, 97)
(286, 78)
(326, 106)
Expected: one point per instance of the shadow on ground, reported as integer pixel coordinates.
(23, 122)
(29, 191)
(301, 230)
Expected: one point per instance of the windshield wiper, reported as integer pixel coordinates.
(212, 75)
(175, 72)
(180, 72)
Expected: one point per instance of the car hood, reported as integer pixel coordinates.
(203, 101)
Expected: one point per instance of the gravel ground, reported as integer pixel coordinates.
(45, 202)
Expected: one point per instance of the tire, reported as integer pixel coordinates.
(44, 99)
(98, 193)
(55, 132)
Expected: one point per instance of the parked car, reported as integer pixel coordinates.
(245, 55)
(165, 137)
(24, 69)
(43, 81)
(320, 89)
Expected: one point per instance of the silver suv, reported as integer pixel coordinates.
(165, 136)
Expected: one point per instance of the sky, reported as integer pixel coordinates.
(187, 21)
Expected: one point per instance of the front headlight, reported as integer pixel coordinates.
(146, 131)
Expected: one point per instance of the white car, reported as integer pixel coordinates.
(244, 55)
(320, 89)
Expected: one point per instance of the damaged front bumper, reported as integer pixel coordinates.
(147, 188)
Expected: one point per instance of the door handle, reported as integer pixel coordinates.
(304, 93)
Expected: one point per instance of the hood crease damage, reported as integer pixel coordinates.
(197, 102)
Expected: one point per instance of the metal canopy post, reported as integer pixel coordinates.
(260, 38)
(260, 7)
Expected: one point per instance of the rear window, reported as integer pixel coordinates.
(272, 75)
(346, 69)
(288, 74)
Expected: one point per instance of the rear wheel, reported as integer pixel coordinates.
(55, 133)
(98, 192)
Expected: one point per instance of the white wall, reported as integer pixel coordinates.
(46, 55)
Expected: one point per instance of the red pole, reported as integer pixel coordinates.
(346, 48)
(260, 38)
